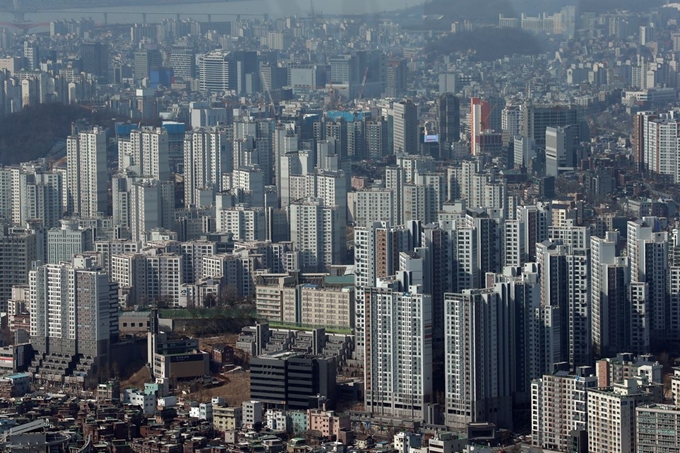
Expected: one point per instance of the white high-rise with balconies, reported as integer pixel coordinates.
(207, 156)
(87, 173)
(316, 233)
(74, 319)
(146, 152)
(477, 358)
(397, 352)
(647, 250)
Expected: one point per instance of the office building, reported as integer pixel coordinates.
(216, 72)
(293, 381)
(560, 153)
(397, 78)
(183, 62)
(536, 118)
(405, 128)
(87, 175)
(74, 321)
(448, 122)
(145, 61)
(95, 56)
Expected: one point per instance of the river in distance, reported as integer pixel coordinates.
(221, 10)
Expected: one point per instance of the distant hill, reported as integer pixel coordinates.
(32, 132)
(487, 44)
(490, 9)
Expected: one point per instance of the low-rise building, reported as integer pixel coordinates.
(227, 418)
(328, 423)
(134, 397)
(252, 413)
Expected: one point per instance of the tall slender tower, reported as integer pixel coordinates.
(405, 127)
(448, 121)
(87, 173)
(207, 156)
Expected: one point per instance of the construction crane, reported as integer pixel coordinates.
(363, 85)
(275, 113)
(331, 96)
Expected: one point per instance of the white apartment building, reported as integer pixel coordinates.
(610, 279)
(207, 156)
(513, 243)
(316, 233)
(148, 277)
(398, 352)
(74, 311)
(192, 254)
(647, 250)
(115, 247)
(87, 175)
(146, 153)
(373, 205)
(151, 207)
(661, 144)
(68, 240)
(6, 193)
(477, 361)
(36, 194)
(249, 181)
(245, 223)
(376, 252)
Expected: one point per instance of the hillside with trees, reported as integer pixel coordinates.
(33, 132)
(487, 44)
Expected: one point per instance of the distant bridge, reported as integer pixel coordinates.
(19, 8)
